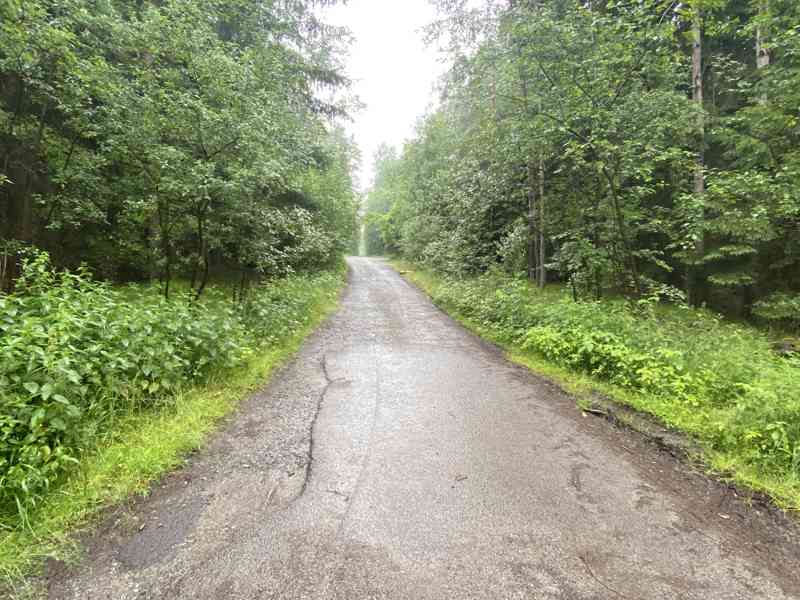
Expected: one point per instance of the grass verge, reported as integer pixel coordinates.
(142, 447)
(716, 382)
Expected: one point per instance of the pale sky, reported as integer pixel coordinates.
(394, 71)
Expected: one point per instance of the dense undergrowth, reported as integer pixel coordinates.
(78, 357)
(717, 380)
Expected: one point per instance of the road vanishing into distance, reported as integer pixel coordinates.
(400, 457)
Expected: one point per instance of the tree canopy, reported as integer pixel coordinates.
(155, 139)
(647, 147)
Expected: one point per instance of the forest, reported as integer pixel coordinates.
(155, 140)
(642, 148)
(610, 190)
(176, 195)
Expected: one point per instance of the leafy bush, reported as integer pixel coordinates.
(721, 381)
(74, 352)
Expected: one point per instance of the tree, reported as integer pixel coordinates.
(628, 142)
(137, 135)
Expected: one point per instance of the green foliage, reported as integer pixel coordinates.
(75, 353)
(173, 138)
(567, 141)
(384, 204)
(720, 381)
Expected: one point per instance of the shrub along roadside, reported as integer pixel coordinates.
(718, 381)
(143, 435)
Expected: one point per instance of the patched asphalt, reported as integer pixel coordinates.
(400, 457)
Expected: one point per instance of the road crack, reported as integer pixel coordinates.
(329, 381)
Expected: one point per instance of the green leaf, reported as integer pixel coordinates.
(47, 391)
(37, 417)
(58, 424)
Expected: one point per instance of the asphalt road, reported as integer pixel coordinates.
(400, 457)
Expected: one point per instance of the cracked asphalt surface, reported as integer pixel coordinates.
(400, 457)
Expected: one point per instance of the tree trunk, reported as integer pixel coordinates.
(9, 148)
(762, 54)
(542, 278)
(203, 250)
(5, 261)
(622, 230)
(536, 249)
(26, 230)
(695, 275)
(533, 250)
(166, 244)
(202, 253)
(204, 279)
(167, 271)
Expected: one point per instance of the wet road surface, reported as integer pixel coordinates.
(400, 457)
